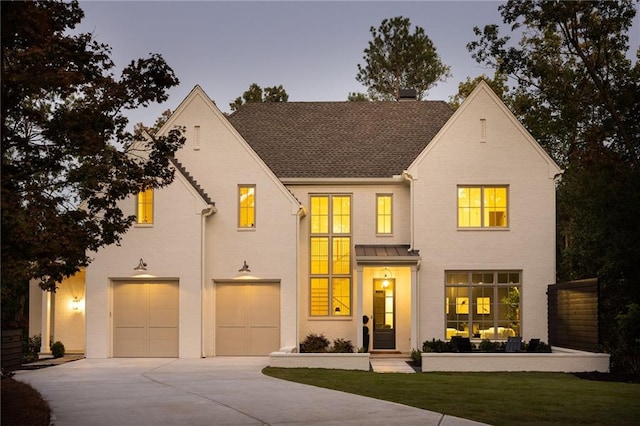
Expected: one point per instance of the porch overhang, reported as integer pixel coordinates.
(389, 254)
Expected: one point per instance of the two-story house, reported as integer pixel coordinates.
(293, 218)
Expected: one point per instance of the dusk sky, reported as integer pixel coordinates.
(311, 48)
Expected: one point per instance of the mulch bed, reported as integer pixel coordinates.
(22, 405)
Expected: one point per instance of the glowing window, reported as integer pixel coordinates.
(383, 214)
(482, 207)
(247, 206)
(482, 304)
(330, 255)
(145, 206)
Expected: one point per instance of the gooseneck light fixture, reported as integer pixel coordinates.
(141, 266)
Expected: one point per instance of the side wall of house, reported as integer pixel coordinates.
(463, 154)
(171, 249)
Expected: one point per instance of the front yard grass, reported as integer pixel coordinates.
(493, 398)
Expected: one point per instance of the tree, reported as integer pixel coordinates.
(579, 94)
(255, 93)
(498, 84)
(67, 159)
(140, 128)
(357, 97)
(397, 59)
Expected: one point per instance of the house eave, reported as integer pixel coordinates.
(395, 180)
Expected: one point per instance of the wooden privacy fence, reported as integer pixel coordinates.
(573, 314)
(11, 349)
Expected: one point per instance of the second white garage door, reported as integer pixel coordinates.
(247, 318)
(145, 318)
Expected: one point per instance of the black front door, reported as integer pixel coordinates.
(384, 329)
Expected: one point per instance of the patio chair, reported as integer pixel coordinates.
(514, 344)
(461, 344)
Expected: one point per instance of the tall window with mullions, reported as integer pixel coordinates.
(330, 255)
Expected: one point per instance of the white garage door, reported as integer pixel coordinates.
(145, 318)
(247, 318)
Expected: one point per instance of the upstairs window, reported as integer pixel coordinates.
(145, 207)
(330, 255)
(247, 206)
(482, 206)
(384, 207)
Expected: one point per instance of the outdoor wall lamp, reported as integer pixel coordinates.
(245, 267)
(141, 266)
(75, 304)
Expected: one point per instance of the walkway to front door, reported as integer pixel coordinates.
(390, 364)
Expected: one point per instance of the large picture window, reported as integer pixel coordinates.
(482, 206)
(330, 255)
(482, 304)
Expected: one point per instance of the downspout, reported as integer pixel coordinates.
(302, 212)
(408, 177)
(416, 305)
(206, 212)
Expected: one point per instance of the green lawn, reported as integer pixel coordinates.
(494, 398)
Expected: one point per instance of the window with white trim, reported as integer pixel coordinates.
(482, 206)
(384, 209)
(246, 206)
(482, 304)
(330, 255)
(144, 209)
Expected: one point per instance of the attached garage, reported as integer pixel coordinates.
(247, 318)
(145, 319)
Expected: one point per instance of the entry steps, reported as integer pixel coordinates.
(395, 363)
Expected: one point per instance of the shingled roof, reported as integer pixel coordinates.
(339, 139)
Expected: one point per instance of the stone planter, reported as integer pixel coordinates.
(341, 361)
(560, 360)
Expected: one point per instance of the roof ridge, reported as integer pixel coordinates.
(183, 171)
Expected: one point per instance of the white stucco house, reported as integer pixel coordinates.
(429, 222)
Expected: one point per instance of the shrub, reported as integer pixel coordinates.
(315, 343)
(416, 357)
(437, 346)
(57, 350)
(342, 346)
(488, 346)
(31, 348)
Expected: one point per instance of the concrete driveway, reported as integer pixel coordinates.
(210, 391)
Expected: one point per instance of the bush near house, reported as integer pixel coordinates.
(318, 343)
(57, 350)
(31, 348)
(484, 346)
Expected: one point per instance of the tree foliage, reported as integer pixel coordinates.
(578, 93)
(67, 158)
(398, 59)
(255, 93)
(498, 84)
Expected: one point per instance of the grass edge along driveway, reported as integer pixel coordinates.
(493, 398)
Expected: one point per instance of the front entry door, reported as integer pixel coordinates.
(384, 320)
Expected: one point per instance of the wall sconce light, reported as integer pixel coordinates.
(141, 266)
(75, 304)
(245, 267)
(244, 273)
(385, 283)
